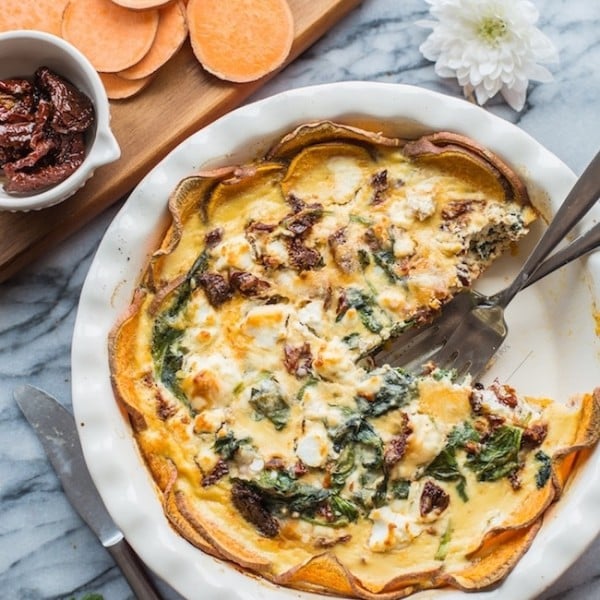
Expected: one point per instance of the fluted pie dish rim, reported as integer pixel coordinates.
(125, 487)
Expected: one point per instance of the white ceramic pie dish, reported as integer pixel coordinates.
(552, 348)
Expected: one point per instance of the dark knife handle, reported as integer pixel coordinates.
(134, 571)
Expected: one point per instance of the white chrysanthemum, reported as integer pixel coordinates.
(490, 46)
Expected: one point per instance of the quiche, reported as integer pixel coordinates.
(244, 365)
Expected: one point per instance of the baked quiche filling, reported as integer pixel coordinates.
(244, 365)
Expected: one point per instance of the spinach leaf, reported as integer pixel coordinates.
(387, 261)
(400, 489)
(363, 303)
(461, 434)
(282, 493)
(352, 340)
(359, 447)
(499, 455)
(444, 467)
(442, 550)
(166, 355)
(310, 381)
(171, 365)
(398, 389)
(360, 433)
(545, 470)
(227, 445)
(372, 489)
(354, 218)
(268, 402)
(343, 467)
(363, 258)
(318, 505)
(343, 509)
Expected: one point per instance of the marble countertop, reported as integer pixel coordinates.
(45, 549)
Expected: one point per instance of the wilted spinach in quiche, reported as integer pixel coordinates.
(273, 443)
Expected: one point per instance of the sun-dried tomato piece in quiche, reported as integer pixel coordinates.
(272, 443)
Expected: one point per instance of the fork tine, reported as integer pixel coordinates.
(411, 345)
(413, 348)
(474, 342)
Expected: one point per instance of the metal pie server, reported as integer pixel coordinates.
(55, 427)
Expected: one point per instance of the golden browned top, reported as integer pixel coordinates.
(273, 441)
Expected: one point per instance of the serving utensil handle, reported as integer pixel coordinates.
(578, 202)
(134, 571)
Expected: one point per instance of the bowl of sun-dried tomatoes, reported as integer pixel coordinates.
(54, 121)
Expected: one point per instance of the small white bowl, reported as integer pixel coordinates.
(21, 53)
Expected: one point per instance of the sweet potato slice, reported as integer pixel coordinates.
(494, 561)
(142, 4)
(119, 88)
(444, 145)
(119, 37)
(240, 40)
(172, 32)
(41, 15)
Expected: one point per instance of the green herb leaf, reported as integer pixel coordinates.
(351, 340)
(282, 493)
(343, 508)
(354, 218)
(400, 489)
(343, 467)
(227, 445)
(444, 466)
(268, 402)
(398, 389)
(310, 381)
(442, 550)
(166, 354)
(363, 303)
(363, 258)
(461, 434)
(387, 261)
(545, 470)
(499, 455)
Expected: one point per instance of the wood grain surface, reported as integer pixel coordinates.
(182, 99)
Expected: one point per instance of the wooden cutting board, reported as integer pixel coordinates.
(182, 99)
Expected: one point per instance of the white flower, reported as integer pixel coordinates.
(490, 46)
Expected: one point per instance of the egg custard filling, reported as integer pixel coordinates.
(243, 365)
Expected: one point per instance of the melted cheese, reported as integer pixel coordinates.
(352, 242)
(314, 446)
(424, 443)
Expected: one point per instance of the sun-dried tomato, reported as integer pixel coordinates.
(42, 125)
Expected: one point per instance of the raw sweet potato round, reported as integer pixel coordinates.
(41, 15)
(112, 37)
(240, 40)
(141, 4)
(119, 88)
(170, 36)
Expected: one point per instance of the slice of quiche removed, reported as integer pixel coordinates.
(271, 443)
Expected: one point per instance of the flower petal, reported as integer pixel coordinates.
(490, 46)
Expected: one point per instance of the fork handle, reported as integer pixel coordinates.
(579, 201)
(584, 244)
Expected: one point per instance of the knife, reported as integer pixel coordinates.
(55, 427)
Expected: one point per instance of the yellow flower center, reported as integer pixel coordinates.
(492, 30)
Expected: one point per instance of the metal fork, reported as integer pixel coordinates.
(472, 327)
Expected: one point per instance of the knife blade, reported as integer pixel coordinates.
(55, 427)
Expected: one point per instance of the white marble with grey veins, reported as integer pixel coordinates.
(45, 549)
